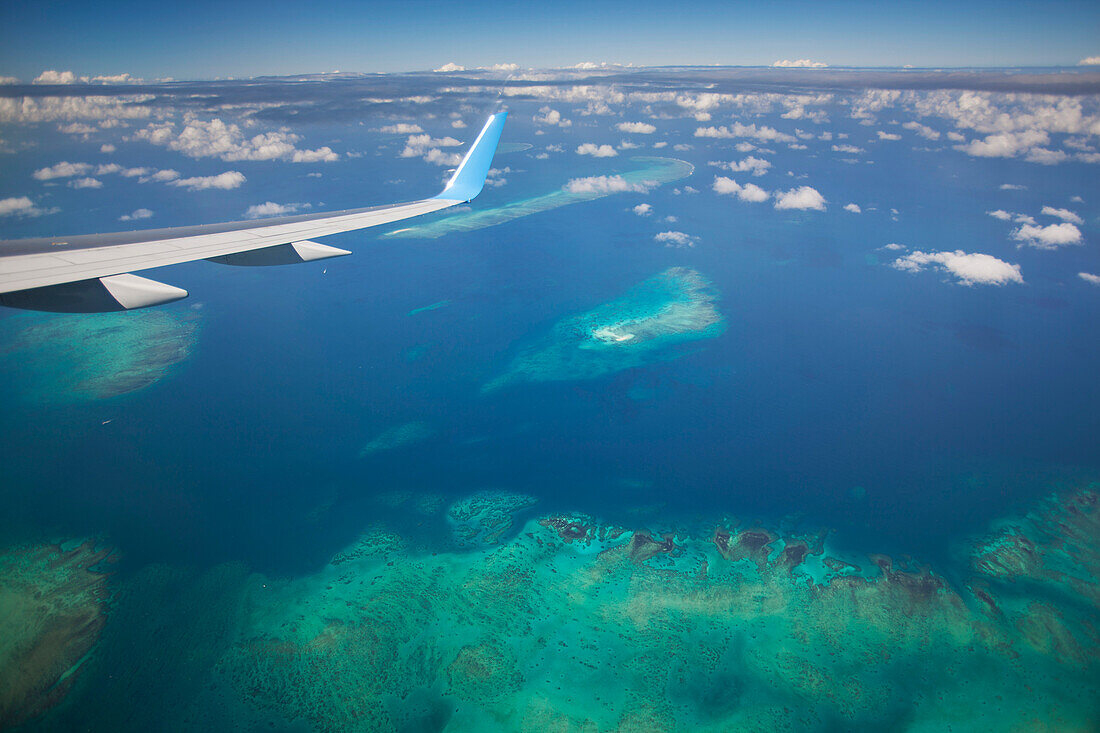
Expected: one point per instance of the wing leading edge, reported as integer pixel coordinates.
(89, 273)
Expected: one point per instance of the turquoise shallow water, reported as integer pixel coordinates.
(527, 467)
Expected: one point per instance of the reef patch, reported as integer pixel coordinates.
(53, 603)
(55, 358)
(653, 172)
(650, 322)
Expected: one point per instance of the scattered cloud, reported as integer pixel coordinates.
(643, 209)
(426, 147)
(888, 136)
(638, 128)
(1063, 214)
(107, 148)
(1089, 61)
(1086, 276)
(136, 215)
(548, 116)
(1000, 214)
(227, 180)
(846, 148)
(1051, 236)
(64, 169)
(803, 197)
(85, 183)
(270, 208)
(116, 79)
(923, 130)
(596, 151)
(448, 68)
(967, 268)
(458, 124)
(756, 166)
(854, 208)
(736, 130)
(438, 157)
(401, 128)
(799, 64)
(893, 246)
(495, 177)
(749, 192)
(161, 176)
(1012, 187)
(604, 185)
(76, 128)
(215, 138)
(56, 77)
(676, 239)
(21, 206)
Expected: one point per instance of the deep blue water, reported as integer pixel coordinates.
(946, 405)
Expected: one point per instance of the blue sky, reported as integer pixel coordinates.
(211, 39)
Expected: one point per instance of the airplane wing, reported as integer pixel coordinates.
(90, 273)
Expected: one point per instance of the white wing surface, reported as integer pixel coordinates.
(89, 273)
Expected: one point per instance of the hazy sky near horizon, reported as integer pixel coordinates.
(205, 39)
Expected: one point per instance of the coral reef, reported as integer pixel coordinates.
(645, 324)
(483, 518)
(52, 610)
(574, 626)
(654, 171)
(53, 358)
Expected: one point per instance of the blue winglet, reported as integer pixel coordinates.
(469, 179)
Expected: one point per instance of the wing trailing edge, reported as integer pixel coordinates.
(81, 273)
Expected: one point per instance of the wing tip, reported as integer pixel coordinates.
(468, 181)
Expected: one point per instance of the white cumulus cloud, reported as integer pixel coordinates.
(888, 136)
(749, 192)
(803, 197)
(923, 130)
(56, 77)
(64, 169)
(215, 138)
(675, 239)
(427, 147)
(401, 128)
(967, 268)
(270, 208)
(1089, 61)
(596, 151)
(86, 183)
(751, 164)
(643, 209)
(1051, 236)
(854, 208)
(604, 185)
(799, 64)
(639, 128)
(1063, 214)
(449, 67)
(227, 180)
(136, 214)
(548, 116)
(736, 130)
(20, 206)
(1086, 276)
